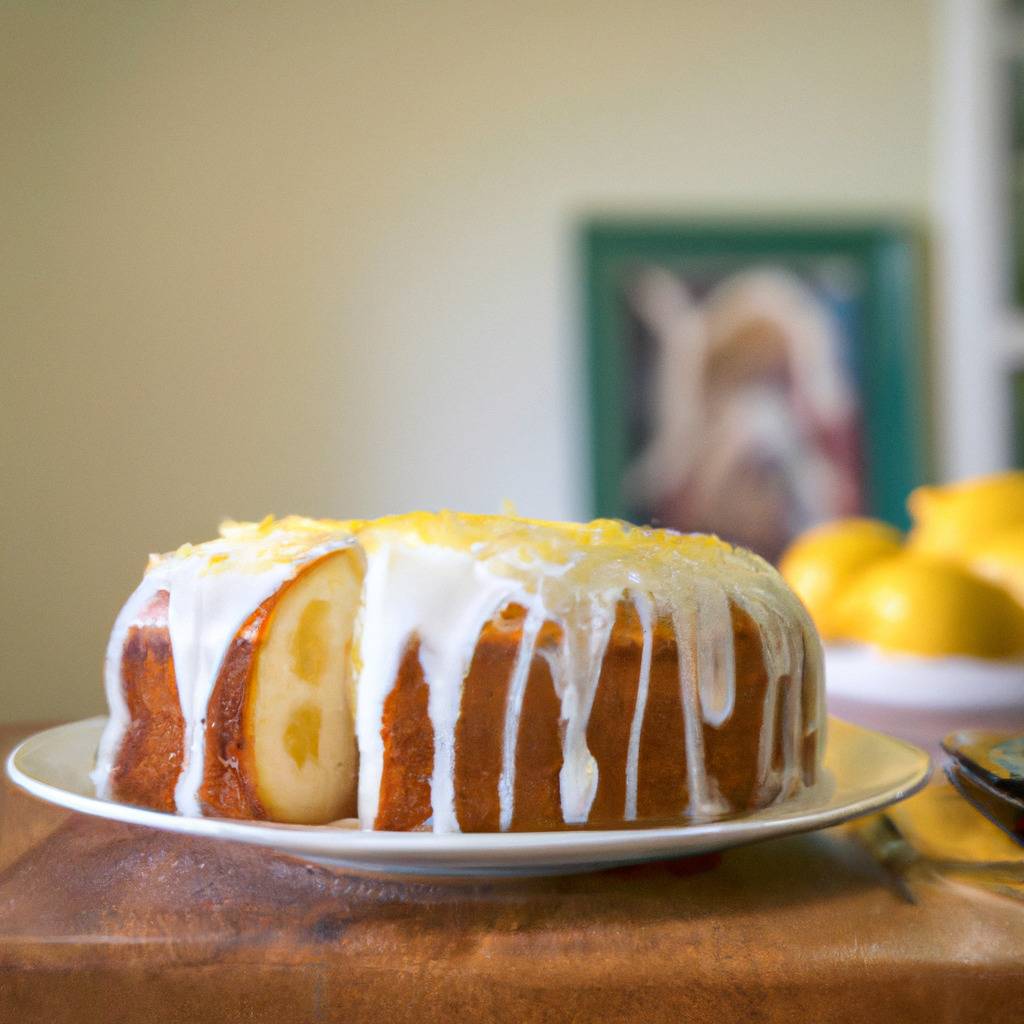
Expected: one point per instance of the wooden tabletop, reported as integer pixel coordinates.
(109, 922)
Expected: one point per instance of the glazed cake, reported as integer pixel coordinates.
(461, 673)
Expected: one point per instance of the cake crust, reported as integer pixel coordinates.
(229, 771)
(150, 756)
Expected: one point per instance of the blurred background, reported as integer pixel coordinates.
(331, 258)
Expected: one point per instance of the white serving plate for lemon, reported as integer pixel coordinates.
(922, 699)
(864, 771)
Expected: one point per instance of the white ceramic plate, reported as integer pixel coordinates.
(923, 699)
(865, 771)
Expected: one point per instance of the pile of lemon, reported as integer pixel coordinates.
(953, 586)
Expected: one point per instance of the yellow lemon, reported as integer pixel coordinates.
(821, 561)
(947, 519)
(1000, 559)
(921, 605)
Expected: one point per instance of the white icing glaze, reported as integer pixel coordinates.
(792, 716)
(645, 612)
(442, 591)
(514, 710)
(705, 801)
(716, 669)
(443, 598)
(776, 655)
(586, 630)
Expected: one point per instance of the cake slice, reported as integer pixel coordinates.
(280, 743)
(229, 678)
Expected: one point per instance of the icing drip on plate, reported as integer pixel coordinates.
(645, 613)
(513, 712)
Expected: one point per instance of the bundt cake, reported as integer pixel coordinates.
(461, 673)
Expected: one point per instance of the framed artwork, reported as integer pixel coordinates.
(1017, 416)
(1015, 175)
(753, 379)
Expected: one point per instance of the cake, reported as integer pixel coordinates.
(461, 673)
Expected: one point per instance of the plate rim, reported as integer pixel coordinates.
(469, 852)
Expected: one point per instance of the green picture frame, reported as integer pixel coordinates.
(1017, 417)
(891, 367)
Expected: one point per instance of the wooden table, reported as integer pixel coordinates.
(107, 922)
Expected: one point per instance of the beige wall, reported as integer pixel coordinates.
(318, 257)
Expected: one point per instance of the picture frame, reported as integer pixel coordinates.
(877, 317)
(1017, 417)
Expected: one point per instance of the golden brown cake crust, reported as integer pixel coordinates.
(150, 756)
(145, 772)
(229, 772)
(408, 749)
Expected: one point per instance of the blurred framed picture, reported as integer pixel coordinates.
(753, 379)
(1017, 417)
(1015, 175)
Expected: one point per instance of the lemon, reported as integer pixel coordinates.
(1000, 559)
(917, 604)
(821, 561)
(948, 519)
